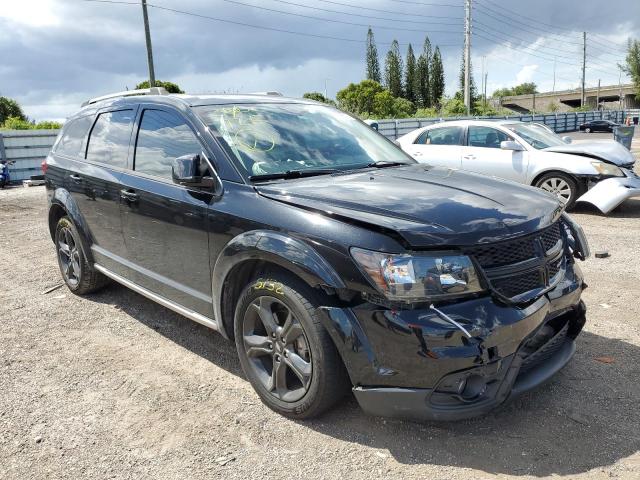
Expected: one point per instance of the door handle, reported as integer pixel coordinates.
(417, 154)
(469, 157)
(129, 196)
(75, 178)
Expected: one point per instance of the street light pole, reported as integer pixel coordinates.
(147, 33)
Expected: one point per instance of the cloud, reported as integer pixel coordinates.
(526, 73)
(57, 53)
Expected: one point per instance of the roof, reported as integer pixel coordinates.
(184, 101)
(480, 122)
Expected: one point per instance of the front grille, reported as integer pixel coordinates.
(515, 285)
(524, 265)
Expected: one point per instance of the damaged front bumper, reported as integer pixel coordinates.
(611, 192)
(412, 364)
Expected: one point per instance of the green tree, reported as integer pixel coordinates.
(168, 86)
(423, 74)
(632, 65)
(318, 97)
(385, 105)
(393, 70)
(410, 76)
(428, 112)
(47, 125)
(16, 123)
(473, 93)
(526, 88)
(436, 79)
(10, 108)
(358, 98)
(373, 64)
(453, 107)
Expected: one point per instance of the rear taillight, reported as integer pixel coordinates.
(44, 167)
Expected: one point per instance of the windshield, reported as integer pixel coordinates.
(537, 136)
(268, 139)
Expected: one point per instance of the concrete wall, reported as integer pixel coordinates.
(28, 148)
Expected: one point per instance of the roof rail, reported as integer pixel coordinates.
(128, 93)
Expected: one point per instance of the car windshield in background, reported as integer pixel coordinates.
(537, 136)
(268, 140)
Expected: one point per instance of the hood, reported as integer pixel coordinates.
(607, 150)
(425, 206)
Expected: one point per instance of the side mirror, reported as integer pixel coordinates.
(511, 145)
(397, 143)
(567, 139)
(186, 171)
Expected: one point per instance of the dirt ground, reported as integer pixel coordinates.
(115, 386)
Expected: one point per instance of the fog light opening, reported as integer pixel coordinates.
(474, 387)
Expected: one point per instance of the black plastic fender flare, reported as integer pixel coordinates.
(63, 199)
(273, 247)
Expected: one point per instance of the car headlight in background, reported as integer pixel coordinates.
(607, 169)
(428, 277)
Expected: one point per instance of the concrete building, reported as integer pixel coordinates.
(563, 101)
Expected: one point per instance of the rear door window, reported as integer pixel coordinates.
(163, 137)
(441, 136)
(73, 135)
(109, 139)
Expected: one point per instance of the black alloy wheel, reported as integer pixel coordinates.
(285, 351)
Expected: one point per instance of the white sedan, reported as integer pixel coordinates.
(600, 173)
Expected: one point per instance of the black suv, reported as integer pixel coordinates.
(332, 259)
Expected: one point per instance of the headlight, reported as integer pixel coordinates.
(429, 277)
(607, 169)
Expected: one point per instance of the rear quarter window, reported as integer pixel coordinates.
(109, 138)
(73, 136)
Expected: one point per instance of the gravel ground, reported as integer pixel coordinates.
(115, 386)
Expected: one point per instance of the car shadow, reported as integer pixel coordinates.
(628, 209)
(585, 418)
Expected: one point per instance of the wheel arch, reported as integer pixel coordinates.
(260, 251)
(62, 204)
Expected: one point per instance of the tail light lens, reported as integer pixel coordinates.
(44, 167)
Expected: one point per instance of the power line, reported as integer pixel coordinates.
(235, 2)
(360, 7)
(422, 22)
(273, 29)
(427, 4)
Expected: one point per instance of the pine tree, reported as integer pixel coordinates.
(410, 76)
(422, 88)
(473, 91)
(373, 65)
(393, 70)
(436, 77)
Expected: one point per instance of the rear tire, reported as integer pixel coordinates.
(284, 350)
(587, 130)
(563, 186)
(79, 276)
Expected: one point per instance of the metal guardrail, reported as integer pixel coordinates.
(558, 122)
(28, 148)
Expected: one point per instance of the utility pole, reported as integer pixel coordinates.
(598, 96)
(467, 56)
(620, 86)
(485, 88)
(554, 75)
(325, 87)
(584, 65)
(147, 33)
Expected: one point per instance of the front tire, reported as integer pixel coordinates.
(563, 186)
(587, 130)
(284, 350)
(79, 276)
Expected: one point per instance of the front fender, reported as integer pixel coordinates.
(575, 165)
(62, 199)
(273, 247)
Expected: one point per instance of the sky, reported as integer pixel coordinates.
(55, 54)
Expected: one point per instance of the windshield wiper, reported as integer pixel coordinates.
(387, 163)
(309, 172)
